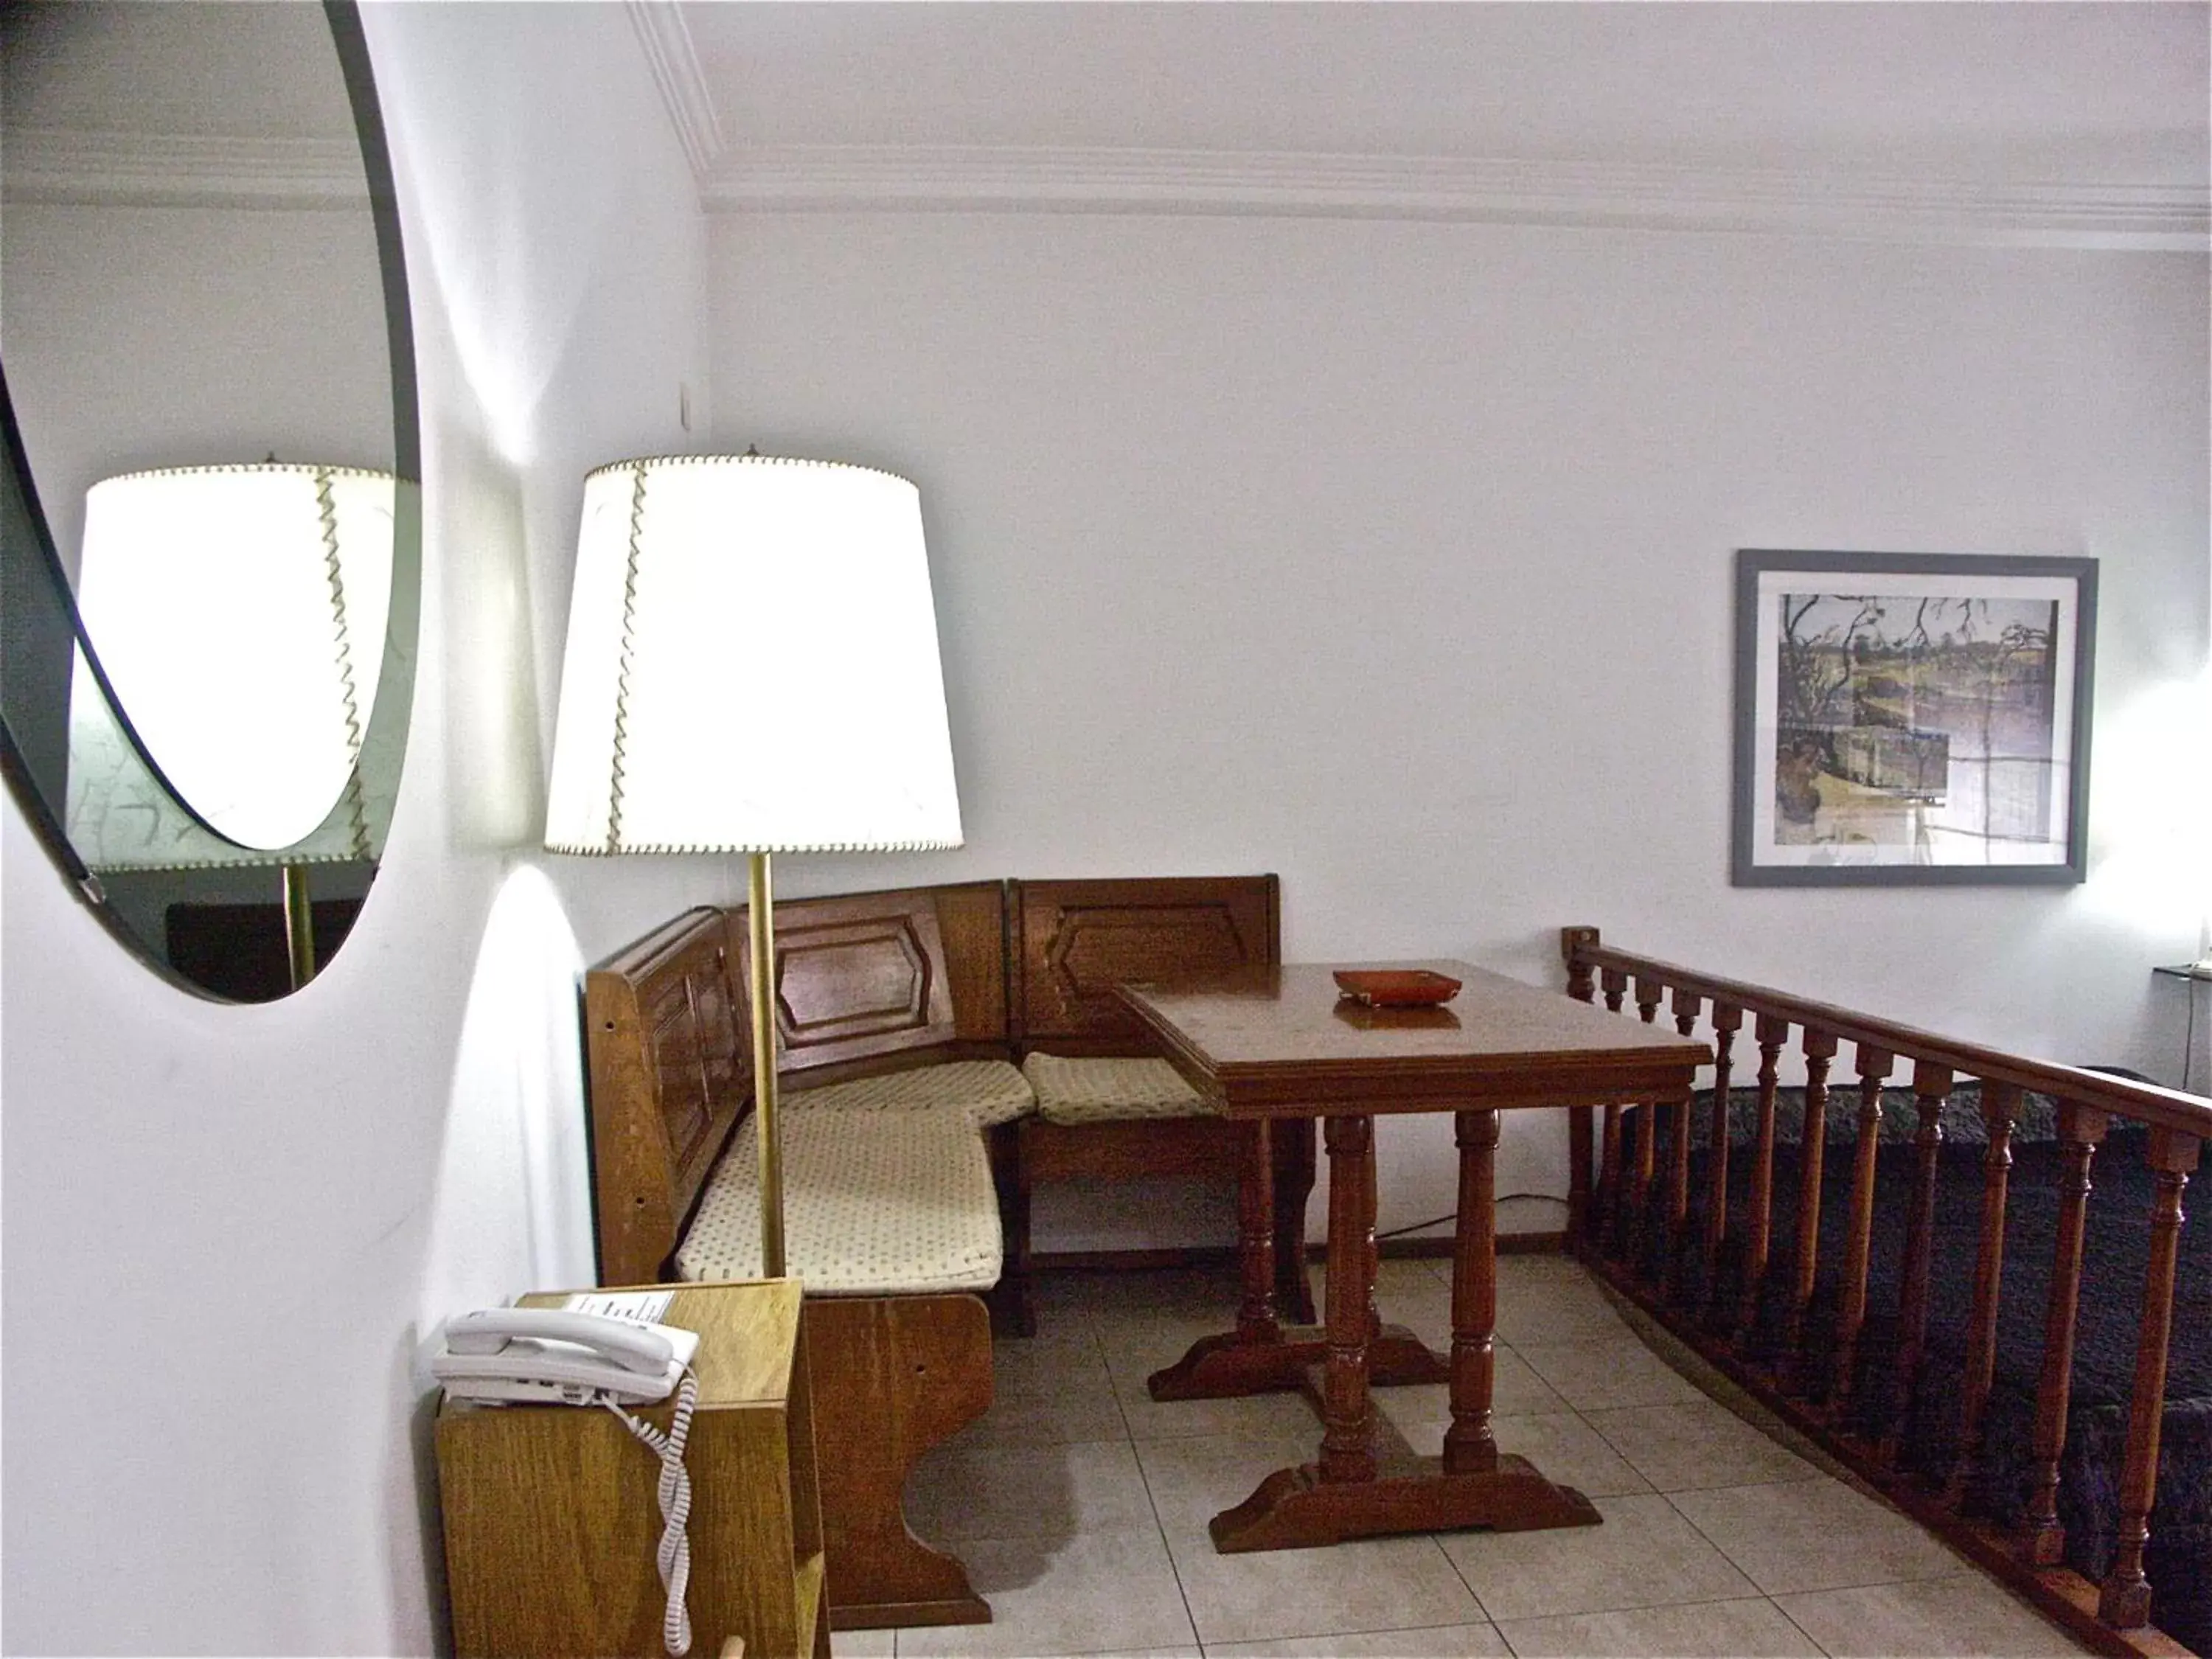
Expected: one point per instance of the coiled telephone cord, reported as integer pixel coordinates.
(673, 1557)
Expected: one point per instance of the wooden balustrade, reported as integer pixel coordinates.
(1753, 1308)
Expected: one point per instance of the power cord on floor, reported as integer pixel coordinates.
(1453, 1218)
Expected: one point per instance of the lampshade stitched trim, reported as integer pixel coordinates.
(319, 472)
(621, 673)
(326, 511)
(644, 461)
(577, 850)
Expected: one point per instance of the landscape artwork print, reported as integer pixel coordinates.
(1911, 718)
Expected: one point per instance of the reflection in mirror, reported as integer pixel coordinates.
(198, 268)
(238, 612)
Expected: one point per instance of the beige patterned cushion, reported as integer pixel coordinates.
(987, 1090)
(1103, 1090)
(874, 1204)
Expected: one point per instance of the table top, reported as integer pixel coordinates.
(1279, 1041)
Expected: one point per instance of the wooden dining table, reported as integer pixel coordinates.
(1276, 1042)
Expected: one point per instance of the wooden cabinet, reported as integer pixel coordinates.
(551, 1521)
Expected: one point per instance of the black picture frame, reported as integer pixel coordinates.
(1911, 720)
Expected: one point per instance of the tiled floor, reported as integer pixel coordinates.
(1079, 1504)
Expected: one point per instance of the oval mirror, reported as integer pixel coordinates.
(208, 580)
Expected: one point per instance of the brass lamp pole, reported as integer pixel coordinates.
(760, 917)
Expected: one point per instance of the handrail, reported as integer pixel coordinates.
(2146, 1103)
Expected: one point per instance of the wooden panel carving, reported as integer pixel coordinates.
(1079, 938)
(666, 1023)
(860, 976)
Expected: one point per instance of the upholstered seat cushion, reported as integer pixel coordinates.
(987, 1090)
(1090, 1091)
(874, 1203)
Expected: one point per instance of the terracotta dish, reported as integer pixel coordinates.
(1396, 988)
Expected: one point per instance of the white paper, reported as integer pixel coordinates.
(635, 1307)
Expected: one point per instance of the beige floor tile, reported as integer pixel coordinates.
(1132, 1358)
(862, 1643)
(1645, 1555)
(1751, 1629)
(1269, 1415)
(1447, 1642)
(1516, 1390)
(1604, 1372)
(1209, 1293)
(1814, 1534)
(1055, 1363)
(968, 1491)
(1697, 1444)
(1548, 1298)
(1135, 1343)
(1964, 1615)
(1192, 1480)
(1088, 1411)
(1097, 1592)
(1372, 1584)
(1562, 1446)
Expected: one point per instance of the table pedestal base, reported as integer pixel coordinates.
(1296, 1508)
(1226, 1366)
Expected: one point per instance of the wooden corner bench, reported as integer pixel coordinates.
(911, 1142)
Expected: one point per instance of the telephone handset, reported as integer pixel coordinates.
(552, 1356)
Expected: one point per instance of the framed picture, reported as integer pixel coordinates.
(1911, 719)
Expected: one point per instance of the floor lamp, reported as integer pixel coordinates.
(751, 667)
(239, 616)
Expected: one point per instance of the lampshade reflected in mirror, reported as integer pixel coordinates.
(239, 613)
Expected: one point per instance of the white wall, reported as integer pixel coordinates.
(1396, 557)
(246, 1217)
(143, 337)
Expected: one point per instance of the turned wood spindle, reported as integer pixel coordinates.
(1646, 1223)
(1470, 1446)
(1931, 1086)
(1873, 1065)
(1728, 1020)
(2043, 1540)
(1680, 1259)
(1611, 1214)
(1573, 941)
(2000, 1107)
(1255, 1227)
(2124, 1599)
(1771, 1031)
(1819, 1049)
(1615, 982)
(1613, 1191)
(1347, 1446)
(1582, 986)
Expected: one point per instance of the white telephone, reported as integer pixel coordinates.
(552, 1356)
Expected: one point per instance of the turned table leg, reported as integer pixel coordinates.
(1469, 1447)
(1255, 1227)
(1347, 1444)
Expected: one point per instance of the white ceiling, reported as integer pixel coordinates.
(2103, 94)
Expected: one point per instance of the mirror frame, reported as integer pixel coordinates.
(44, 571)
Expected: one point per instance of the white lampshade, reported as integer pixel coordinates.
(240, 614)
(751, 665)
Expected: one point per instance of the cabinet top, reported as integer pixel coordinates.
(747, 1333)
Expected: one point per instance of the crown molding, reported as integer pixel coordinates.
(1613, 195)
(79, 166)
(684, 93)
